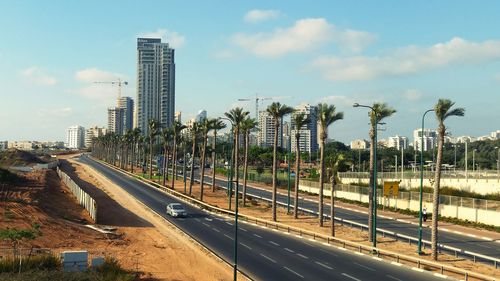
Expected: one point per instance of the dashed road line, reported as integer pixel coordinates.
(324, 265)
(268, 258)
(206, 224)
(246, 246)
(257, 235)
(215, 229)
(293, 272)
(364, 266)
(242, 229)
(229, 223)
(302, 256)
(274, 243)
(289, 250)
(392, 277)
(352, 277)
(229, 237)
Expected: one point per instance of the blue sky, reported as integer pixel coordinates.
(406, 53)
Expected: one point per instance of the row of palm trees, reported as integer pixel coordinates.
(127, 149)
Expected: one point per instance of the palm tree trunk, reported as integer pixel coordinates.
(275, 166)
(132, 157)
(164, 166)
(214, 145)
(236, 163)
(297, 177)
(151, 159)
(174, 158)
(321, 181)
(435, 195)
(332, 205)
(245, 168)
(202, 166)
(191, 178)
(370, 188)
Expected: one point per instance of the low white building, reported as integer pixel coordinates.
(360, 144)
(21, 145)
(398, 142)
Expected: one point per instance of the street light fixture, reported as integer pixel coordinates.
(419, 251)
(374, 210)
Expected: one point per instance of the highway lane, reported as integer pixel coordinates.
(467, 243)
(264, 254)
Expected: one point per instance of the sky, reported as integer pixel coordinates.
(407, 54)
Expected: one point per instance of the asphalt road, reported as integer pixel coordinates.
(264, 254)
(466, 243)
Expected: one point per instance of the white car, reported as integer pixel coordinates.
(176, 210)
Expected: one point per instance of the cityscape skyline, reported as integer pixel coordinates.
(345, 58)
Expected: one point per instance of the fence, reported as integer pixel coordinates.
(451, 174)
(83, 197)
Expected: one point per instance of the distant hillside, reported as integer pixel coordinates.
(15, 157)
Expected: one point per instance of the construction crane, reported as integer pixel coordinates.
(257, 99)
(119, 83)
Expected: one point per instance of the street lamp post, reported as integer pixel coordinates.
(289, 180)
(419, 251)
(498, 162)
(455, 163)
(184, 168)
(474, 162)
(374, 211)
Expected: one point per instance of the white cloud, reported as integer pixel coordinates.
(408, 60)
(35, 75)
(102, 92)
(256, 16)
(304, 35)
(337, 100)
(413, 95)
(174, 39)
(58, 112)
(224, 54)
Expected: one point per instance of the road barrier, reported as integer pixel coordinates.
(84, 199)
(330, 240)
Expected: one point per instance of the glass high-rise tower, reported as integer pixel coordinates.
(155, 83)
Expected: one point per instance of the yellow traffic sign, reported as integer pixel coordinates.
(391, 188)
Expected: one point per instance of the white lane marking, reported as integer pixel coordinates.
(392, 277)
(268, 258)
(323, 265)
(215, 229)
(246, 246)
(229, 237)
(417, 269)
(293, 272)
(302, 256)
(396, 263)
(364, 266)
(274, 243)
(206, 224)
(241, 228)
(208, 219)
(229, 223)
(257, 235)
(291, 251)
(197, 220)
(349, 276)
(377, 258)
(440, 275)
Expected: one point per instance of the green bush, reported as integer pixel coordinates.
(42, 262)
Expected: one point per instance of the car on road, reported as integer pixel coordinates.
(176, 210)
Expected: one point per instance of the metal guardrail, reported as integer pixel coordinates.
(420, 263)
(84, 199)
(445, 174)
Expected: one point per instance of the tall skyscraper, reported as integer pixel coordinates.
(155, 83)
(308, 141)
(127, 103)
(266, 132)
(75, 137)
(116, 120)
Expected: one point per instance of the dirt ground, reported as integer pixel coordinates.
(308, 222)
(144, 243)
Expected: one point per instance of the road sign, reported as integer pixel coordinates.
(391, 188)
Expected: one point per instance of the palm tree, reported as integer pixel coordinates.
(443, 110)
(136, 132)
(246, 127)
(236, 115)
(277, 111)
(177, 128)
(299, 120)
(166, 137)
(206, 126)
(379, 112)
(333, 162)
(152, 131)
(195, 131)
(218, 125)
(326, 115)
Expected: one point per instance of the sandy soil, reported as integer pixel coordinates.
(144, 243)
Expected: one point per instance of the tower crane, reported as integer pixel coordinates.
(119, 83)
(257, 99)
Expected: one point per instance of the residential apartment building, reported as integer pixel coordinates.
(21, 145)
(360, 144)
(4, 145)
(398, 142)
(155, 83)
(430, 139)
(127, 103)
(116, 120)
(308, 141)
(75, 137)
(93, 132)
(266, 133)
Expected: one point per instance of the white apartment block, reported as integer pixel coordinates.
(21, 145)
(75, 137)
(266, 133)
(93, 132)
(398, 142)
(116, 120)
(495, 135)
(308, 141)
(430, 139)
(4, 145)
(360, 144)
